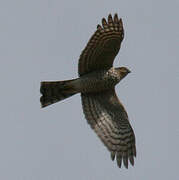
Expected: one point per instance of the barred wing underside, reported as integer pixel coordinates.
(102, 47)
(107, 116)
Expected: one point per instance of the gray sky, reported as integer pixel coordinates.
(42, 40)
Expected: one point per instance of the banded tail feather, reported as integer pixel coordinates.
(55, 91)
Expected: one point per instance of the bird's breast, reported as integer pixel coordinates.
(97, 81)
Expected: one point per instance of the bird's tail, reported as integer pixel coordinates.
(53, 92)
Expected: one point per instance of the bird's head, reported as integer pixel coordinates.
(123, 71)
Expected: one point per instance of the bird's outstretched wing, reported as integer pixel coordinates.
(103, 46)
(107, 116)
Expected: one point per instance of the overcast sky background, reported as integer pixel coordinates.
(42, 40)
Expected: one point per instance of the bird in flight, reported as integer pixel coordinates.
(96, 83)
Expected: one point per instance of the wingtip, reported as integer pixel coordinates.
(104, 22)
(120, 22)
(131, 159)
(113, 155)
(119, 159)
(109, 17)
(116, 19)
(125, 162)
(99, 27)
(119, 163)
